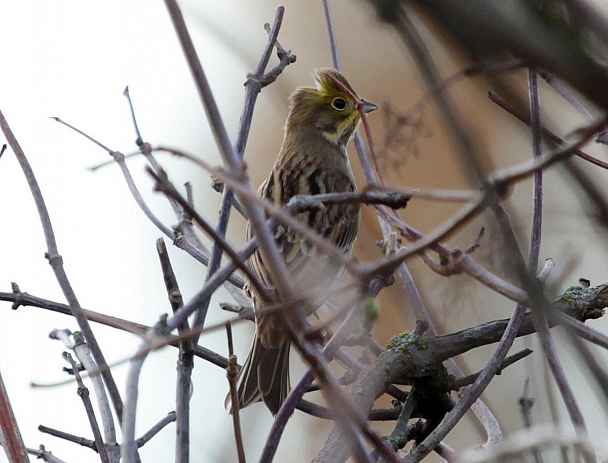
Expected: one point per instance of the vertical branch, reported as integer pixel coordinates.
(371, 178)
(333, 43)
(265, 240)
(525, 405)
(253, 89)
(185, 363)
(373, 175)
(537, 218)
(232, 373)
(538, 314)
(83, 392)
(209, 288)
(128, 449)
(83, 354)
(469, 158)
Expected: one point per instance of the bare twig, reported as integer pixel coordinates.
(128, 449)
(273, 210)
(525, 405)
(510, 360)
(546, 132)
(154, 430)
(254, 85)
(25, 299)
(44, 455)
(83, 392)
(189, 242)
(77, 343)
(539, 317)
(11, 439)
(185, 362)
(393, 199)
(231, 373)
(67, 436)
(333, 43)
(399, 437)
(164, 185)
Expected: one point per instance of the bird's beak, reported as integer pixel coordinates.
(368, 106)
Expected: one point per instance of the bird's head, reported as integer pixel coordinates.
(331, 108)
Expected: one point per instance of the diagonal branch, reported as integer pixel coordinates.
(56, 262)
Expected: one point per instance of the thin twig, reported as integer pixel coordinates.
(539, 317)
(185, 362)
(154, 430)
(574, 411)
(266, 243)
(398, 436)
(525, 405)
(165, 186)
(42, 454)
(537, 219)
(520, 443)
(128, 449)
(253, 89)
(83, 392)
(463, 381)
(546, 132)
(77, 343)
(188, 242)
(232, 373)
(331, 32)
(88, 443)
(273, 210)
(12, 442)
(24, 299)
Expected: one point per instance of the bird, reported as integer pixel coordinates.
(313, 160)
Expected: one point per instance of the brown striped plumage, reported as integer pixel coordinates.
(312, 160)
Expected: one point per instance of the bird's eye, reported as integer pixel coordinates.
(339, 104)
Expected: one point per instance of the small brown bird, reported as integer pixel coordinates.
(312, 160)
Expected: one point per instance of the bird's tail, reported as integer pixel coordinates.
(265, 375)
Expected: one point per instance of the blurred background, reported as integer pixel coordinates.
(73, 60)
